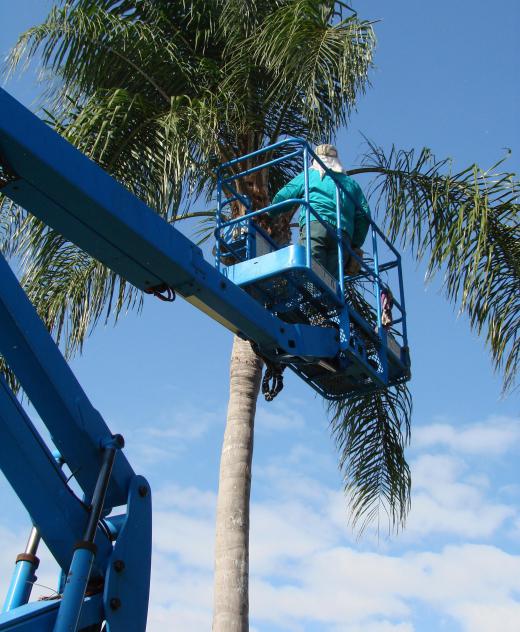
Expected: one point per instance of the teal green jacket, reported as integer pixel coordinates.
(355, 212)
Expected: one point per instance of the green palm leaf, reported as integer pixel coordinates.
(465, 225)
(371, 433)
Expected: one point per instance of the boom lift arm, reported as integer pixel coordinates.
(57, 183)
(107, 574)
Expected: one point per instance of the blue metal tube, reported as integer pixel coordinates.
(228, 201)
(287, 141)
(293, 140)
(232, 250)
(398, 305)
(307, 207)
(315, 157)
(264, 165)
(24, 574)
(74, 593)
(389, 265)
(85, 551)
(341, 275)
(268, 209)
(235, 194)
(21, 585)
(249, 241)
(309, 152)
(383, 356)
(218, 225)
(377, 283)
(402, 307)
(114, 524)
(384, 238)
(61, 582)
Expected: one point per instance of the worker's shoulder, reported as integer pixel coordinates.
(295, 182)
(350, 180)
(349, 183)
(300, 177)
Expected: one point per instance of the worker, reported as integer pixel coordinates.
(355, 212)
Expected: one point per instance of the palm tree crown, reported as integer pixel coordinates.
(158, 93)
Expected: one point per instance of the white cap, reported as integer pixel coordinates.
(328, 154)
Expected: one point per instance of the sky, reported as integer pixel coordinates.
(446, 76)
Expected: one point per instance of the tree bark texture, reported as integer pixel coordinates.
(231, 585)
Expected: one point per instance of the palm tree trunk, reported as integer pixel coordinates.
(231, 584)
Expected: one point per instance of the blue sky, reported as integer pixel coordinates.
(446, 77)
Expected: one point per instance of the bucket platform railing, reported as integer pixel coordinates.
(253, 260)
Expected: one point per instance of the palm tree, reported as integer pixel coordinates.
(158, 93)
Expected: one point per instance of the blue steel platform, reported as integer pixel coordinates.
(279, 263)
(290, 283)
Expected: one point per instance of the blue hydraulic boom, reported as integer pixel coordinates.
(329, 329)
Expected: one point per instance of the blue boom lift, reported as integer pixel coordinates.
(294, 312)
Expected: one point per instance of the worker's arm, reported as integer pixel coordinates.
(361, 219)
(295, 188)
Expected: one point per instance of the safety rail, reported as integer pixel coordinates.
(227, 193)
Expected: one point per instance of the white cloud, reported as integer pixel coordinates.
(188, 539)
(376, 626)
(304, 572)
(279, 416)
(189, 499)
(180, 598)
(446, 500)
(495, 436)
(306, 569)
(169, 435)
(289, 482)
(186, 424)
(283, 534)
(484, 617)
(178, 617)
(342, 587)
(480, 520)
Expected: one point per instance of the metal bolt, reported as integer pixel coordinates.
(143, 491)
(115, 603)
(119, 441)
(119, 566)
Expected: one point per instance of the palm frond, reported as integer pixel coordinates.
(70, 290)
(467, 226)
(371, 432)
(319, 65)
(91, 48)
(11, 219)
(205, 227)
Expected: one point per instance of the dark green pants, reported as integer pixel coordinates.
(324, 247)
